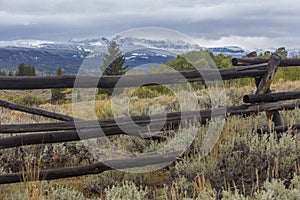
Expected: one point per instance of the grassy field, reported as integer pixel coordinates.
(242, 165)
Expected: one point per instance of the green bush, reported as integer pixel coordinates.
(95, 185)
(58, 95)
(126, 190)
(45, 191)
(275, 189)
(145, 92)
(29, 100)
(287, 74)
(64, 193)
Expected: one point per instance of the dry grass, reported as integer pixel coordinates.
(241, 161)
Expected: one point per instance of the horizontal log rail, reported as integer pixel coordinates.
(65, 136)
(67, 131)
(254, 61)
(48, 82)
(144, 120)
(280, 129)
(35, 111)
(106, 125)
(271, 97)
(95, 168)
(112, 128)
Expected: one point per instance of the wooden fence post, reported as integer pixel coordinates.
(263, 86)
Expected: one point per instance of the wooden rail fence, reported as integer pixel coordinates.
(263, 70)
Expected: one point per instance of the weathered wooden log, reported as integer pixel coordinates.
(280, 129)
(271, 97)
(47, 82)
(144, 120)
(268, 77)
(65, 136)
(252, 54)
(95, 168)
(35, 111)
(109, 124)
(263, 86)
(254, 61)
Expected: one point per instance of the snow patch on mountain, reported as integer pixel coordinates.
(26, 43)
(49, 55)
(147, 57)
(174, 46)
(228, 51)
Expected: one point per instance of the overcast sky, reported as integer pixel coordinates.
(249, 24)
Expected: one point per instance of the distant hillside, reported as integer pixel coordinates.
(47, 56)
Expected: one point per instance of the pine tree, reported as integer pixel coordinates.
(24, 70)
(31, 70)
(21, 70)
(59, 72)
(113, 63)
(58, 94)
(2, 72)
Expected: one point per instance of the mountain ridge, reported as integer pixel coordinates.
(47, 56)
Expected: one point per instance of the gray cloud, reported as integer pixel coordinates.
(211, 20)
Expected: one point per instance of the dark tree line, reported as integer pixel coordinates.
(25, 70)
(2, 73)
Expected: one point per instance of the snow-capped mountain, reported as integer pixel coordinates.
(233, 51)
(147, 58)
(174, 46)
(44, 55)
(292, 53)
(25, 43)
(47, 56)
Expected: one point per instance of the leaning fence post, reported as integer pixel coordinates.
(263, 86)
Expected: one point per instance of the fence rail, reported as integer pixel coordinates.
(280, 129)
(66, 132)
(35, 111)
(50, 82)
(271, 97)
(95, 168)
(112, 127)
(288, 62)
(263, 70)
